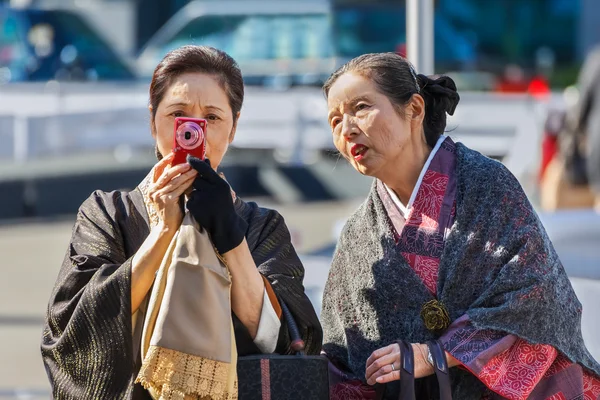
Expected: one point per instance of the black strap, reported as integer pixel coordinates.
(407, 371)
(407, 374)
(440, 367)
(297, 344)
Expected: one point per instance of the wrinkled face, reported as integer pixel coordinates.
(196, 95)
(367, 129)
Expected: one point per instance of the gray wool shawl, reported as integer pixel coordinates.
(498, 267)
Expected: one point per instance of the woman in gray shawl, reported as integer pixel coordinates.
(446, 246)
(89, 346)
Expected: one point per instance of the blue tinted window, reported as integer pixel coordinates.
(468, 33)
(259, 37)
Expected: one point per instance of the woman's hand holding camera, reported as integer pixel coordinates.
(211, 204)
(169, 184)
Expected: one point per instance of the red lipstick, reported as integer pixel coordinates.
(358, 151)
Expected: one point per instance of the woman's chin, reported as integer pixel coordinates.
(364, 168)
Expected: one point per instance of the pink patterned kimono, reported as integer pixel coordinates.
(508, 366)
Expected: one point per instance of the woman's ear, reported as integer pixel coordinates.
(417, 108)
(234, 128)
(152, 127)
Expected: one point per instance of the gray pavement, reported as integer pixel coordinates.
(32, 254)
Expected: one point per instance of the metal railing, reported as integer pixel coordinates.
(64, 119)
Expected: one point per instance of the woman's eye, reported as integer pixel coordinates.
(212, 117)
(362, 106)
(335, 122)
(177, 114)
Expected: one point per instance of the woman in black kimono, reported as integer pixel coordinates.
(91, 337)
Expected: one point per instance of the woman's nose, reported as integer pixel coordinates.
(349, 128)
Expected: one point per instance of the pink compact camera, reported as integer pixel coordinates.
(189, 138)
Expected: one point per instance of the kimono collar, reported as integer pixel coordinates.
(404, 210)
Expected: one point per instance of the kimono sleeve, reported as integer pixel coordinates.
(86, 344)
(276, 259)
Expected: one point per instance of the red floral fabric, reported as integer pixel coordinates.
(426, 268)
(427, 205)
(515, 372)
(591, 387)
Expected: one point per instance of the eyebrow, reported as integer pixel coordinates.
(352, 101)
(359, 98)
(214, 108)
(179, 104)
(185, 104)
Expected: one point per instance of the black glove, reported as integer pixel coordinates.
(211, 204)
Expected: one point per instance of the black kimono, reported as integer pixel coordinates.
(88, 346)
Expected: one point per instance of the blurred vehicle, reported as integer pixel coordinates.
(42, 45)
(276, 42)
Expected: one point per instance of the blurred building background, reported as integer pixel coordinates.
(548, 37)
(74, 78)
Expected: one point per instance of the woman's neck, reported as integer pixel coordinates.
(403, 173)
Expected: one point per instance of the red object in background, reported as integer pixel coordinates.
(538, 87)
(549, 150)
(505, 86)
(552, 127)
(512, 80)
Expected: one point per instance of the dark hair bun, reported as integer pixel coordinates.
(441, 98)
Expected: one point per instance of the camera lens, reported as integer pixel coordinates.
(189, 135)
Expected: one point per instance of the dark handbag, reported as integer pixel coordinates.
(284, 377)
(407, 374)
